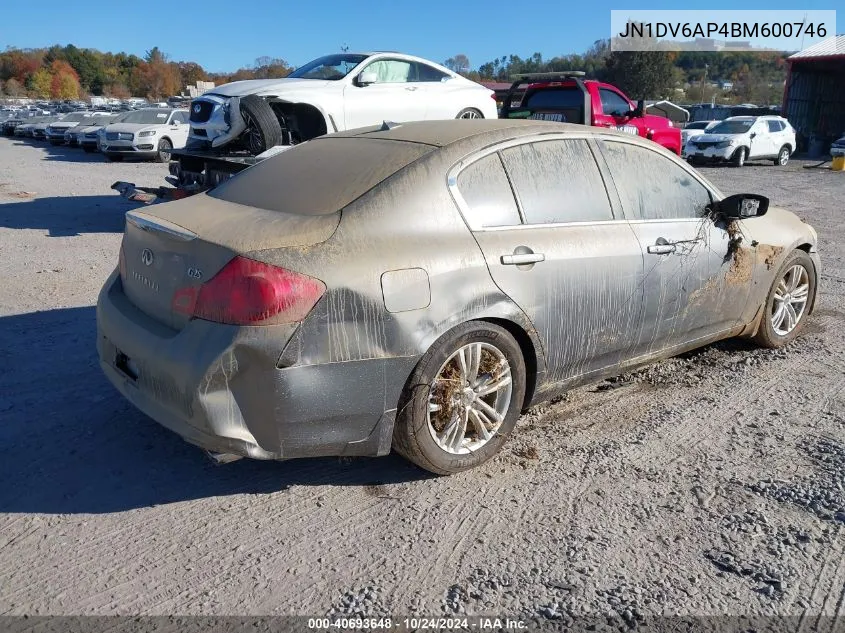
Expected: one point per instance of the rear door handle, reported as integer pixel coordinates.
(661, 249)
(522, 258)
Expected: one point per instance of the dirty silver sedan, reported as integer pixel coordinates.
(416, 287)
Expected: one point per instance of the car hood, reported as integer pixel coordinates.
(63, 125)
(839, 141)
(267, 86)
(133, 127)
(717, 138)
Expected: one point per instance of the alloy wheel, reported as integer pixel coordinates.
(790, 299)
(469, 398)
(470, 114)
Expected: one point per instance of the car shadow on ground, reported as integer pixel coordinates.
(74, 445)
(62, 152)
(62, 216)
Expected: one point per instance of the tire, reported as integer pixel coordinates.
(163, 153)
(782, 157)
(738, 159)
(768, 334)
(263, 130)
(115, 158)
(416, 425)
(470, 113)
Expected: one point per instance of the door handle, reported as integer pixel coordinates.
(519, 259)
(661, 249)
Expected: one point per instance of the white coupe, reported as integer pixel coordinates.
(332, 94)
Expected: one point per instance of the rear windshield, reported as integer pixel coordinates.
(319, 177)
(554, 98)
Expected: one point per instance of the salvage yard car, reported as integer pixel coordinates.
(147, 133)
(568, 98)
(690, 130)
(415, 287)
(87, 133)
(55, 133)
(330, 94)
(741, 138)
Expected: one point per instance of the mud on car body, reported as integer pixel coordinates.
(300, 308)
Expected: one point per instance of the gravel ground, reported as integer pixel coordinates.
(712, 483)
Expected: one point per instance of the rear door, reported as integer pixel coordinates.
(557, 249)
(695, 284)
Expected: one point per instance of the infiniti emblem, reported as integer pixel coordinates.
(197, 108)
(147, 257)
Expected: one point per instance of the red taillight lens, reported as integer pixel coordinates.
(247, 292)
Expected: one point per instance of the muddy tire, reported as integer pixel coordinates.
(738, 159)
(789, 301)
(462, 400)
(164, 150)
(263, 129)
(782, 157)
(470, 113)
(115, 158)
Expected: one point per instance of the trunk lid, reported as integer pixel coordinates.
(170, 250)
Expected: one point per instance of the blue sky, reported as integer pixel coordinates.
(210, 33)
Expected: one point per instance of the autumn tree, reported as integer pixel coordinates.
(14, 88)
(65, 82)
(271, 68)
(40, 83)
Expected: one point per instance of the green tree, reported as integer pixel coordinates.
(641, 74)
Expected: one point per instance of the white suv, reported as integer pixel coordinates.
(741, 138)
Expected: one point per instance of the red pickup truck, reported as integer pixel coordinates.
(566, 97)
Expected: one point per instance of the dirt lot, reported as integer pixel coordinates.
(708, 484)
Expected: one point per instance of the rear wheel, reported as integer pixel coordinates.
(788, 302)
(462, 400)
(263, 129)
(782, 157)
(164, 149)
(738, 159)
(470, 113)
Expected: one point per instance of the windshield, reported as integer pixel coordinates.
(76, 117)
(731, 127)
(331, 67)
(147, 117)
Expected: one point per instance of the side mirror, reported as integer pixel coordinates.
(638, 111)
(753, 134)
(742, 205)
(367, 77)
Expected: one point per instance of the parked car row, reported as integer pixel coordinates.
(149, 133)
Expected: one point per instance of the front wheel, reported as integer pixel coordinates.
(738, 159)
(783, 157)
(263, 129)
(470, 113)
(788, 302)
(164, 149)
(462, 400)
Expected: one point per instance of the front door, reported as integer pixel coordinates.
(561, 255)
(396, 96)
(697, 273)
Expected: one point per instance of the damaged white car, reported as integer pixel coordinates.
(332, 94)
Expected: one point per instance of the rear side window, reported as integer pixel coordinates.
(427, 73)
(557, 181)
(652, 186)
(488, 196)
(775, 126)
(555, 98)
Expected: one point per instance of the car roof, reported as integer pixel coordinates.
(447, 132)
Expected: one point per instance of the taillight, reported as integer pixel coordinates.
(247, 292)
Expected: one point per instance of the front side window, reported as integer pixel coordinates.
(652, 186)
(392, 71)
(613, 103)
(488, 196)
(557, 181)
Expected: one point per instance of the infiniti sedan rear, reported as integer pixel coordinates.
(415, 287)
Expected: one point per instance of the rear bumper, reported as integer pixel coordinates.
(219, 386)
